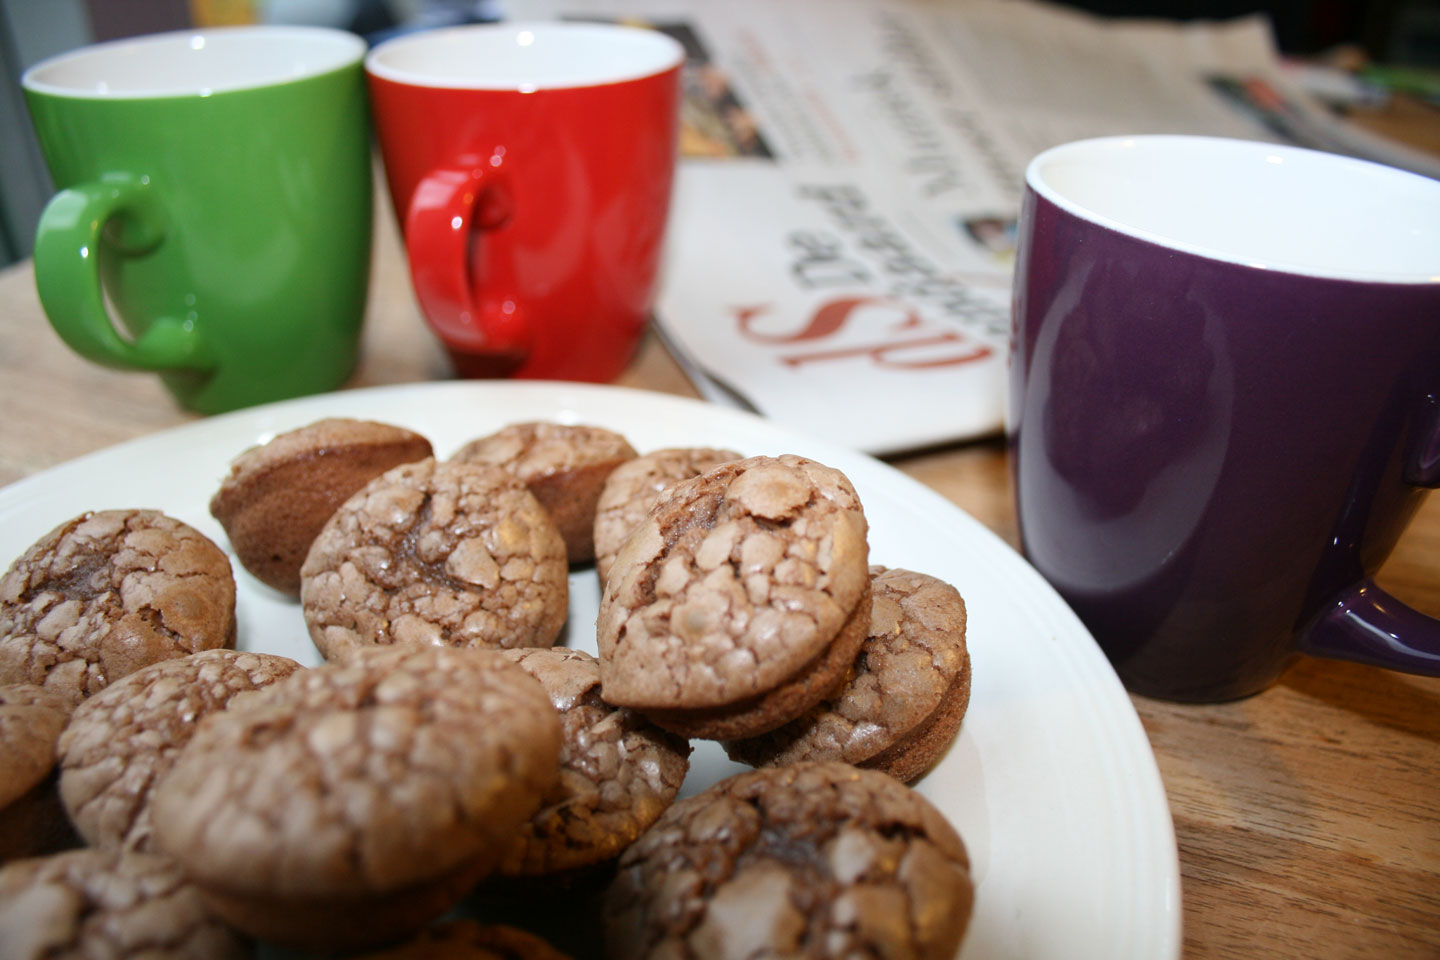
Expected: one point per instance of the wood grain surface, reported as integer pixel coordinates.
(1307, 817)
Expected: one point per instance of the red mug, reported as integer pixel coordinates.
(530, 165)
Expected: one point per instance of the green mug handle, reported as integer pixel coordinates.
(67, 276)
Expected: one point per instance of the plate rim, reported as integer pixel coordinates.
(1166, 941)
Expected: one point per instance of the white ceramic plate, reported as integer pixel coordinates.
(1051, 781)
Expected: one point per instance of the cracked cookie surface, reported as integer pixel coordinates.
(618, 772)
(737, 581)
(353, 802)
(31, 721)
(108, 903)
(107, 593)
(906, 697)
(813, 859)
(277, 496)
(564, 465)
(436, 553)
(121, 742)
(633, 487)
(362, 776)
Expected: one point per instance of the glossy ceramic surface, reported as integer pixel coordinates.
(531, 168)
(1217, 434)
(1092, 876)
(218, 185)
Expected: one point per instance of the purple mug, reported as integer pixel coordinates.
(1224, 403)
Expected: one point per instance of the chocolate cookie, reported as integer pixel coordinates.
(904, 701)
(816, 860)
(436, 553)
(468, 940)
(121, 742)
(107, 903)
(631, 490)
(351, 803)
(618, 772)
(740, 602)
(32, 821)
(278, 496)
(107, 593)
(564, 465)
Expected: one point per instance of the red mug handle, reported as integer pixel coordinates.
(449, 208)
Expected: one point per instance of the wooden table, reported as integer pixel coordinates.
(1308, 817)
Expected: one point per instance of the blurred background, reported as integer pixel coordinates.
(1393, 45)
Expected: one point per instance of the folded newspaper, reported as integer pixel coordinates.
(840, 246)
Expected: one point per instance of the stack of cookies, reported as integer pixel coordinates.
(447, 753)
(741, 608)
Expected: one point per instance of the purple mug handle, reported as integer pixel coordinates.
(1366, 624)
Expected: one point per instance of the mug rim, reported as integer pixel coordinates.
(669, 55)
(1277, 153)
(347, 50)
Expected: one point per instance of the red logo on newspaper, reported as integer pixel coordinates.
(910, 343)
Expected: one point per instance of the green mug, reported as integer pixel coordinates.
(214, 186)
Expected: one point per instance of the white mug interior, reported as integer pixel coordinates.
(1260, 204)
(195, 62)
(525, 57)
